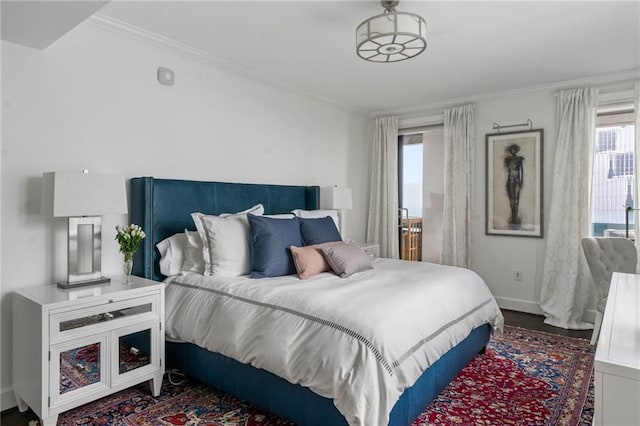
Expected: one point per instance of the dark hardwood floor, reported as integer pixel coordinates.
(536, 322)
(13, 417)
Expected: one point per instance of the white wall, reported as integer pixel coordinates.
(495, 258)
(91, 100)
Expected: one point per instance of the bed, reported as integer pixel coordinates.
(163, 207)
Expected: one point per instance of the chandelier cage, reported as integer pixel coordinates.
(391, 36)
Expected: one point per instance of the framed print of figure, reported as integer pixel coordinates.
(514, 183)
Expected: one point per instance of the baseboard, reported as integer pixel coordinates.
(7, 399)
(533, 307)
(519, 305)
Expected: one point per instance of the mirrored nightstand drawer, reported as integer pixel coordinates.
(135, 349)
(80, 367)
(74, 323)
(106, 316)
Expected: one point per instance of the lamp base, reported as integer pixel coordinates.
(67, 284)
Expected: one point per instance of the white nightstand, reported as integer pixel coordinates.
(372, 250)
(74, 346)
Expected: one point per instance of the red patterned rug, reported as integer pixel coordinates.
(524, 378)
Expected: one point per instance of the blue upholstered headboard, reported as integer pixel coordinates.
(163, 207)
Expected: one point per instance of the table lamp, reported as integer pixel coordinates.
(83, 198)
(336, 198)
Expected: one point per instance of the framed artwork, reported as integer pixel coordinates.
(514, 183)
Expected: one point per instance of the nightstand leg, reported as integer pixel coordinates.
(50, 421)
(156, 384)
(22, 406)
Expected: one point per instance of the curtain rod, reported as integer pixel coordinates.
(497, 126)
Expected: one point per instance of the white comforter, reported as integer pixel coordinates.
(359, 341)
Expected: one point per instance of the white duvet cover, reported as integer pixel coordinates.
(359, 341)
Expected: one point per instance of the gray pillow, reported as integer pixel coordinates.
(346, 259)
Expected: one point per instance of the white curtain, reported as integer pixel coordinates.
(459, 152)
(636, 165)
(565, 291)
(382, 226)
(433, 194)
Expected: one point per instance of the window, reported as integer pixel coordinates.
(622, 164)
(421, 193)
(606, 140)
(410, 173)
(613, 171)
(410, 193)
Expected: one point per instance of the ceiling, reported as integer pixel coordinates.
(37, 24)
(474, 48)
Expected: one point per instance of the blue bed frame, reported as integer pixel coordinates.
(163, 207)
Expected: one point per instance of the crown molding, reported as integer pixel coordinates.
(416, 111)
(612, 80)
(188, 52)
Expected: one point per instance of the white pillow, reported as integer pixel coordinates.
(225, 242)
(172, 254)
(193, 261)
(315, 214)
(280, 216)
(258, 210)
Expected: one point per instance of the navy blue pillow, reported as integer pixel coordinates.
(269, 242)
(318, 230)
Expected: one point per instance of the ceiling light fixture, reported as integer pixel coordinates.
(391, 36)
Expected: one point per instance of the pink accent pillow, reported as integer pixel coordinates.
(309, 260)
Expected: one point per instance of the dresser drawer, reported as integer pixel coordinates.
(71, 324)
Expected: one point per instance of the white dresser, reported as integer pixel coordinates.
(617, 362)
(373, 250)
(74, 346)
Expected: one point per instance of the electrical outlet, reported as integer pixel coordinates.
(517, 275)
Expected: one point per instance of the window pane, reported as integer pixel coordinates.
(412, 178)
(613, 178)
(411, 192)
(606, 140)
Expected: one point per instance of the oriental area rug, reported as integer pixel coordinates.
(524, 378)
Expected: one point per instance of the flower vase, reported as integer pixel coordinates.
(128, 266)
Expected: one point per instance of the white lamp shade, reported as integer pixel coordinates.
(70, 194)
(336, 198)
